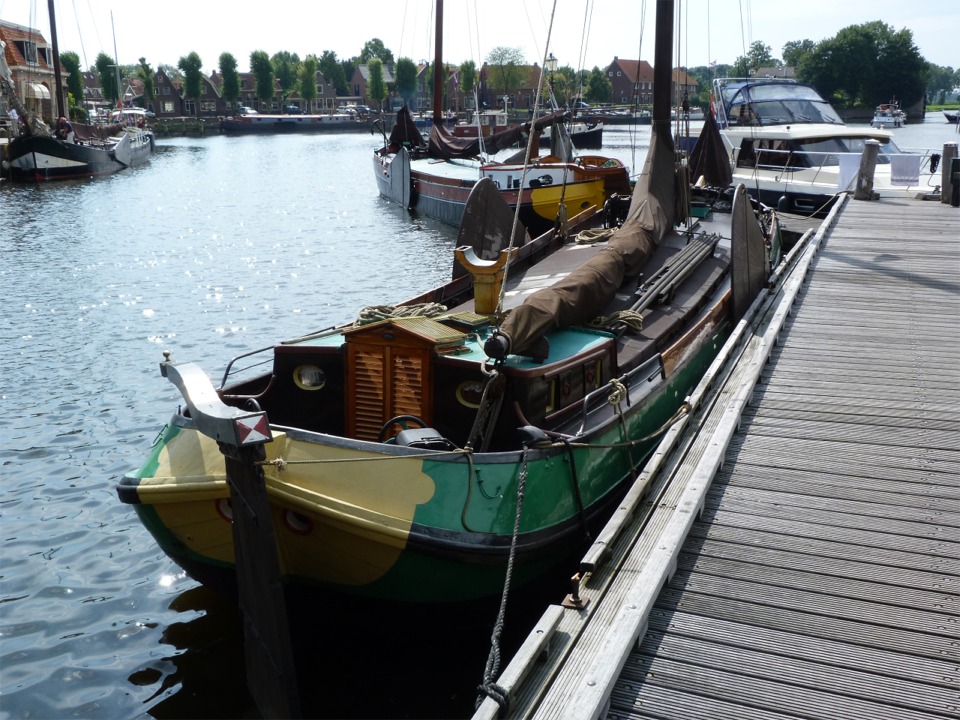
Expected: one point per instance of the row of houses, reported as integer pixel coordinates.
(30, 59)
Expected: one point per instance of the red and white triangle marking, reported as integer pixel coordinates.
(252, 430)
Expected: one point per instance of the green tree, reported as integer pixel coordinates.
(145, 73)
(332, 70)
(406, 80)
(863, 65)
(599, 88)
(230, 87)
(308, 80)
(468, 77)
(71, 63)
(794, 50)
(107, 73)
(286, 68)
(191, 66)
(262, 70)
(758, 56)
(348, 66)
(375, 49)
(376, 87)
(940, 81)
(171, 71)
(506, 75)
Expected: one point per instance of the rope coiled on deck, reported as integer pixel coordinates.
(375, 313)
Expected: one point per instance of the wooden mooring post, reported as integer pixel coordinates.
(947, 182)
(868, 164)
(241, 435)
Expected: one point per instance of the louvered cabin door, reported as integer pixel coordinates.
(383, 382)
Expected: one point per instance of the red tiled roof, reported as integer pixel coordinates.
(631, 68)
(11, 34)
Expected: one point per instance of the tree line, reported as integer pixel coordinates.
(293, 75)
(861, 66)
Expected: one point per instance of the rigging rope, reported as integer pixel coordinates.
(526, 165)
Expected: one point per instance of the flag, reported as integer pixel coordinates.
(713, 64)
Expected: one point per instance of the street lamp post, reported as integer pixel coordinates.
(550, 65)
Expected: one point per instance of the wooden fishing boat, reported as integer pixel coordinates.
(435, 177)
(39, 155)
(490, 421)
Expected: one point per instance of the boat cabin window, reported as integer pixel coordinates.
(823, 151)
(776, 104)
(767, 153)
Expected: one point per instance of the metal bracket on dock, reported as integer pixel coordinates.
(573, 601)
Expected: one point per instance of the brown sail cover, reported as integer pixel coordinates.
(585, 292)
(405, 133)
(446, 146)
(709, 158)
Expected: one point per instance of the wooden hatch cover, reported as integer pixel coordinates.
(388, 371)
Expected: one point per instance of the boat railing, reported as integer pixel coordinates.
(789, 162)
(234, 371)
(638, 377)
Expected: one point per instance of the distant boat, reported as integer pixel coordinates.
(888, 115)
(435, 177)
(77, 150)
(250, 123)
(586, 134)
(952, 117)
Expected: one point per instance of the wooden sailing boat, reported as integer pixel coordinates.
(37, 155)
(435, 178)
(503, 413)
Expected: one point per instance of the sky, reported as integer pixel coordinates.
(586, 33)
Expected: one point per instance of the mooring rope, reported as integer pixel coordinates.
(488, 687)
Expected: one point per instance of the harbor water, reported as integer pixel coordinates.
(218, 246)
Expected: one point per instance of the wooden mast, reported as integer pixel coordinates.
(663, 67)
(61, 110)
(438, 69)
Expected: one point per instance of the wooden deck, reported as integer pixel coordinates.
(821, 578)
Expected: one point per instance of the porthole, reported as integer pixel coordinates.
(224, 509)
(300, 524)
(469, 393)
(309, 377)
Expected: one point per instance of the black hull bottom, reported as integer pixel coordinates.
(44, 159)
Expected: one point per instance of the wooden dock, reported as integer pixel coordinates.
(796, 552)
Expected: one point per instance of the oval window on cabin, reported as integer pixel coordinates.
(309, 377)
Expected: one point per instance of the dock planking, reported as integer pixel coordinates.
(821, 576)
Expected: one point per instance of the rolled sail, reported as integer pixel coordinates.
(584, 293)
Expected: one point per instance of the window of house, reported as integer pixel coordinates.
(166, 89)
(190, 107)
(167, 107)
(619, 73)
(156, 90)
(28, 49)
(208, 106)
